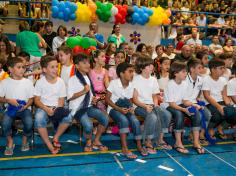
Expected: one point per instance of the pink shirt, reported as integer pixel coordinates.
(98, 80)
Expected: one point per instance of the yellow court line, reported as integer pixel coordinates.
(86, 153)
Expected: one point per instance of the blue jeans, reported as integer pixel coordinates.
(27, 121)
(179, 120)
(92, 113)
(124, 121)
(42, 119)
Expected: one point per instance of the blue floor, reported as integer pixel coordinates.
(72, 161)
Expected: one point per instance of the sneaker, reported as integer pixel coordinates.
(25, 147)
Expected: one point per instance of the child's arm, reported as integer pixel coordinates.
(177, 107)
(212, 101)
(155, 99)
(61, 102)
(39, 104)
(113, 105)
(189, 103)
(106, 79)
(9, 101)
(225, 97)
(28, 104)
(136, 101)
(81, 93)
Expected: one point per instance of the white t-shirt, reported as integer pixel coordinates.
(57, 42)
(75, 86)
(231, 87)
(171, 56)
(118, 91)
(193, 88)
(17, 89)
(50, 93)
(175, 92)
(162, 82)
(227, 74)
(215, 87)
(65, 73)
(146, 88)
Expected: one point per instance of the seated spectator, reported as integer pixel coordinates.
(185, 55)
(228, 46)
(201, 20)
(215, 47)
(194, 40)
(169, 52)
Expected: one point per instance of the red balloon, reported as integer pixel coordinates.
(87, 51)
(92, 48)
(123, 11)
(78, 49)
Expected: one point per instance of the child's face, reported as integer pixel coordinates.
(100, 60)
(159, 50)
(144, 49)
(130, 51)
(218, 71)
(205, 60)
(63, 57)
(62, 33)
(228, 62)
(128, 74)
(229, 43)
(181, 75)
(119, 58)
(83, 66)
(113, 48)
(165, 66)
(18, 70)
(197, 70)
(3, 46)
(48, 29)
(25, 61)
(148, 69)
(133, 60)
(51, 69)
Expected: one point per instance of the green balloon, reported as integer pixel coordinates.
(99, 12)
(93, 42)
(85, 42)
(71, 42)
(98, 4)
(109, 6)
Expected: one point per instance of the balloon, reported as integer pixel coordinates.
(73, 17)
(87, 51)
(85, 42)
(109, 6)
(93, 42)
(55, 9)
(67, 11)
(78, 49)
(168, 12)
(166, 21)
(71, 42)
(61, 15)
(61, 6)
(92, 48)
(55, 2)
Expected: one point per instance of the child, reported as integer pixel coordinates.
(156, 118)
(194, 86)
(49, 35)
(203, 56)
(60, 38)
(231, 86)
(82, 100)
(119, 58)
(50, 93)
(227, 58)
(175, 105)
(18, 93)
(99, 78)
(118, 96)
(67, 68)
(215, 92)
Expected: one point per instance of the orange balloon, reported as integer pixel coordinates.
(166, 21)
(168, 12)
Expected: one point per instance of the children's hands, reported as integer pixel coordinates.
(149, 108)
(187, 112)
(94, 100)
(12, 102)
(86, 88)
(124, 110)
(131, 110)
(50, 111)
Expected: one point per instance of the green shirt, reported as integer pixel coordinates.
(116, 39)
(28, 42)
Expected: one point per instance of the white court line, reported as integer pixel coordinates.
(189, 173)
(120, 165)
(220, 158)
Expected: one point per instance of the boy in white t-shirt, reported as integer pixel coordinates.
(50, 93)
(227, 58)
(146, 92)
(231, 86)
(119, 95)
(82, 101)
(18, 93)
(215, 92)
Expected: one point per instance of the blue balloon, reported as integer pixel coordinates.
(67, 11)
(73, 7)
(67, 4)
(66, 18)
(150, 12)
(73, 17)
(61, 15)
(135, 16)
(61, 6)
(135, 8)
(145, 17)
(55, 2)
(54, 15)
(55, 10)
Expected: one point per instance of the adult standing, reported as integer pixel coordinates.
(116, 37)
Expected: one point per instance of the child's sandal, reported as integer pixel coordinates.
(88, 148)
(55, 151)
(56, 144)
(9, 151)
(100, 147)
(25, 147)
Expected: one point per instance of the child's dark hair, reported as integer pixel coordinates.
(193, 63)
(25, 55)
(233, 69)
(162, 59)
(119, 51)
(214, 63)
(65, 49)
(97, 53)
(12, 61)
(176, 67)
(140, 47)
(122, 44)
(122, 67)
(80, 57)
(48, 23)
(64, 29)
(159, 46)
(46, 59)
(227, 55)
(141, 62)
(200, 55)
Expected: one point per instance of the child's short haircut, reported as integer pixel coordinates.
(48, 23)
(141, 62)
(80, 57)
(162, 59)
(214, 63)
(12, 61)
(65, 49)
(233, 70)
(25, 55)
(193, 63)
(227, 55)
(176, 67)
(46, 59)
(200, 55)
(122, 67)
(119, 51)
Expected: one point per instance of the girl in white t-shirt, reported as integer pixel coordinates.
(156, 119)
(174, 95)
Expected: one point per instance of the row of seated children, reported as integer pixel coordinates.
(50, 91)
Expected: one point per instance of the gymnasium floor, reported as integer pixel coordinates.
(218, 160)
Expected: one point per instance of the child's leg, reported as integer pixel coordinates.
(208, 116)
(41, 119)
(6, 126)
(123, 125)
(103, 122)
